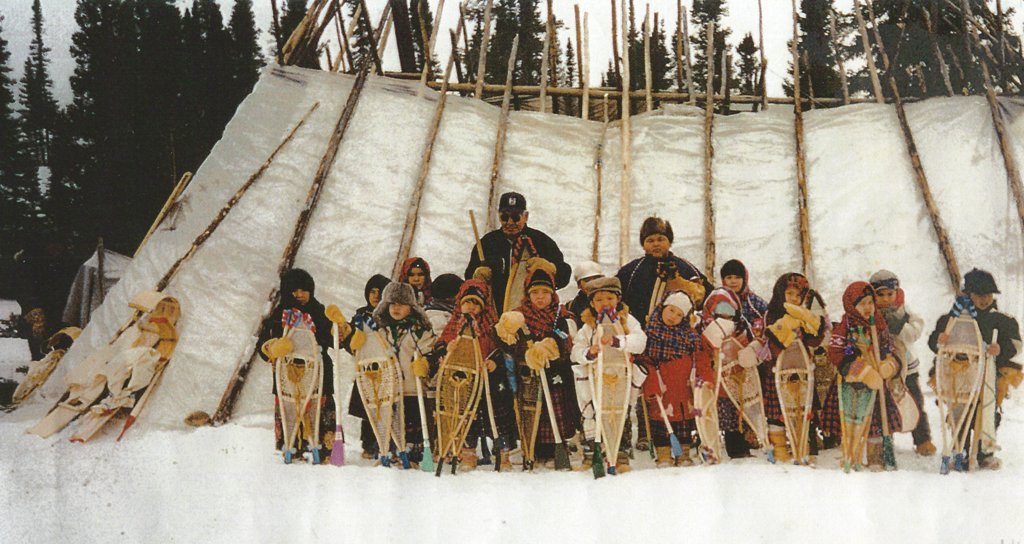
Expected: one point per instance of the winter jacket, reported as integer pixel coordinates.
(905, 327)
(633, 341)
(638, 278)
(405, 341)
(272, 329)
(498, 257)
(439, 312)
(989, 320)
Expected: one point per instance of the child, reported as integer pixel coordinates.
(979, 302)
(416, 272)
(735, 278)
(605, 296)
(787, 320)
(402, 329)
(584, 272)
(863, 364)
(475, 307)
(443, 290)
(674, 349)
(544, 345)
(905, 327)
(362, 319)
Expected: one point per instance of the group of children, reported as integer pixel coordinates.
(674, 326)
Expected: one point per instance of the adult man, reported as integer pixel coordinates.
(508, 252)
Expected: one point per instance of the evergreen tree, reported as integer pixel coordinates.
(208, 60)
(819, 72)
(703, 12)
(38, 107)
(246, 59)
(662, 58)
(747, 65)
(513, 18)
(292, 12)
(420, 9)
(570, 79)
(362, 37)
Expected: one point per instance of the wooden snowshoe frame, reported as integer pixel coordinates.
(705, 403)
(856, 406)
(515, 288)
(528, 405)
(299, 377)
(794, 381)
(379, 380)
(959, 371)
(743, 386)
(614, 382)
(459, 389)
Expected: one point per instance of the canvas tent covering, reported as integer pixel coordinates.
(88, 290)
(865, 210)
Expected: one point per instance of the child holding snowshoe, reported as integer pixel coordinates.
(443, 290)
(474, 307)
(297, 293)
(978, 302)
(905, 327)
(605, 296)
(787, 320)
(416, 272)
(674, 351)
(361, 320)
(535, 335)
(863, 350)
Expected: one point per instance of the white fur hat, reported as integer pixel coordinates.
(587, 270)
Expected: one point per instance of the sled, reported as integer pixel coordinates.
(88, 382)
(794, 381)
(743, 386)
(528, 411)
(39, 371)
(379, 380)
(613, 383)
(959, 372)
(459, 389)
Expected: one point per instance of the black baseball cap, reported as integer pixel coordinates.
(512, 202)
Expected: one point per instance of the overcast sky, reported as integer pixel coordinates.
(742, 18)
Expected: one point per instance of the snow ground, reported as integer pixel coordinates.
(227, 484)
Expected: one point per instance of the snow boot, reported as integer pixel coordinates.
(467, 459)
(988, 462)
(685, 460)
(925, 449)
(875, 463)
(506, 460)
(829, 442)
(736, 445)
(622, 463)
(779, 448)
(663, 456)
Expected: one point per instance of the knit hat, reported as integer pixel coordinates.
(474, 290)
(655, 225)
(446, 286)
(979, 282)
(398, 293)
(512, 202)
(540, 278)
(587, 270)
(679, 300)
(884, 279)
(610, 285)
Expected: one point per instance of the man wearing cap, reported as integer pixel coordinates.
(978, 303)
(509, 250)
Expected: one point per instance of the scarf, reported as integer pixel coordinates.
(665, 343)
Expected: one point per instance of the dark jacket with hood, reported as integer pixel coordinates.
(638, 278)
(498, 256)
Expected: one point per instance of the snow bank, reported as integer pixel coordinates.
(865, 210)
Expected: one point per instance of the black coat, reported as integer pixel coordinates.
(988, 321)
(272, 329)
(498, 256)
(638, 279)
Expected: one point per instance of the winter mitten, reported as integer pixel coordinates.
(809, 321)
(535, 358)
(420, 367)
(863, 373)
(334, 314)
(357, 341)
(784, 329)
(275, 348)
(748, 355)
(549, 348)
(1008, 377)
(534, 263)
(508, 326)
(888, 368)
(482, 273)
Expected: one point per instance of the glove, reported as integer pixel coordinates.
(509, 325)
(420, 367)
(535, 358)
(784, 329)
(334, 314)
(1008, 377)
(482, 273)
(357, 341)
(275, 348)
(888, 368)
(748, 355)
(534, 263)
(808, 320)
(865, 374)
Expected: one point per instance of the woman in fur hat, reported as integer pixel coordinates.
(787, 320)
(475, 309)
(674, 352)
(852, 348)
(364, 315)
(401, 328)
(536, 335)
(416, 272)
(297, 293)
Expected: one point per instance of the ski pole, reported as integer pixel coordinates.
(338, 447)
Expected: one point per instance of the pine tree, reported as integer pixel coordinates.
(513, 18)
(747, 65)
(19, 186)
(703, 12)
(420, 9)
(38, 107)
(819, 72)
(246, 59)
(292, 12)
(569, 78)
(662, 58)
(362, 37)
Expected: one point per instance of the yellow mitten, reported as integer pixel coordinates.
(535, 357)
(508, 326)
(275, 348)
(357, 341)
(888, 368)
(334, 314)
(420, 367)
(533, 263)
(784, 329)
(1008, 377)
(482, 273)
(549, 348)
(868, 376)
(807, 318)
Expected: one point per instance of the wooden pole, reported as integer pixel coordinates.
(679, 45)
(552, 53)
(647, 58)
(810, 84)
(499, 144)
(1002, 43)
(801, 153)
(413, 213)
(429, 41)
(339, 62)
(101, 254)
(599, 169)
(458, 64)
(709, 156)
(876, 85)
(481, 65)
(579, 51)
(627, 152)
(689, 64)
(585, 68)
(764, 60)
(544, 59)
(943, 67)
(839, 56)
(383, 42)
(615, 42)
(330, 61)
(171, 199)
